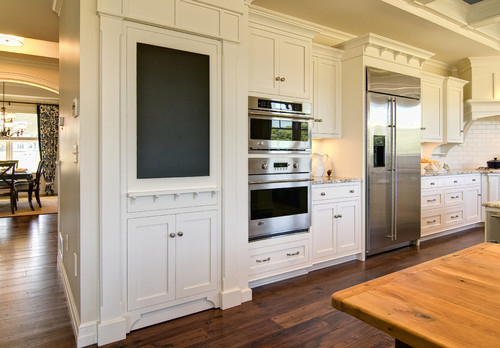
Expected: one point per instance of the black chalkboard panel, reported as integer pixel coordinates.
(173, 113)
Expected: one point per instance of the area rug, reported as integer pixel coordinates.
(49, 206)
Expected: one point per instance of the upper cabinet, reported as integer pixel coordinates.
(279, 65)
(454, 110)
(326, 92)
(442, 108)
(432, 107)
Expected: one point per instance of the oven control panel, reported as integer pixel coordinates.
(267, 165)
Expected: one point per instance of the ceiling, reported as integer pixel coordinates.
(39, 25)
(453, 29)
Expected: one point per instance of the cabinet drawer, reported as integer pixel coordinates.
(431, 221)
(453, 217)
(452, 196)
(432, 199)
(333, 192)
(454, 181)
(279, 256)
(432, 182)
(473, 179)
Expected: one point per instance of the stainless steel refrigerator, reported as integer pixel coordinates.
(393, 160)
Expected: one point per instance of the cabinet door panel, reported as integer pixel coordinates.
(150, 255)
(347, 226)
(325, 98)
(432, 111)
(454, 115)
(323, 230)
(472, 204)
(196, 253)
(263, 62)
(294, 65)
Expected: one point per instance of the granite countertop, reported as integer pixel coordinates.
(492, 204)
(460, 171)
(333, 180)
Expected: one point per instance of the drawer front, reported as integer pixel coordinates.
(278, 256)
(430, 223)
(454, 217)
(473, 179)
(432, 199)
(452, 197)
(333, 192)
(454, 181)
(432, 182)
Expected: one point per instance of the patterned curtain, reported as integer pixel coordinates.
(48, 137)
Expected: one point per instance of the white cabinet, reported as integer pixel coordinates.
(448, 202)
(326, 92)
(279, 65)
(454, 110)
(171, 257)
(432, 107)
(336, 230)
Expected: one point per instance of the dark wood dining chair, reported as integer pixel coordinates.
(32, 185)
(7, 183)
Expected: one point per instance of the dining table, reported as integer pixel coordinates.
(450, 301)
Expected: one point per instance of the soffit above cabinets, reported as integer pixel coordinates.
(451, 28)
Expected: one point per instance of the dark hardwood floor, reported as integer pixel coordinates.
(290, 313)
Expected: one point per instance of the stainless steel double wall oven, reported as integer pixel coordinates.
(279, 167)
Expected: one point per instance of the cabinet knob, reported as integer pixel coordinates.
(335, 216)
(172, 235)
(277, 78)
(180, 233)
(423, 128)
(339, 216)
(282, 79)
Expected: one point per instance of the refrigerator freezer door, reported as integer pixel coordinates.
(379, 172)
(407, 174)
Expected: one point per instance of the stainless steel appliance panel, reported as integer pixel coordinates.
(393, 165)
(392, 83)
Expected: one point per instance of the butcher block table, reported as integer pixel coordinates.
(451, 301)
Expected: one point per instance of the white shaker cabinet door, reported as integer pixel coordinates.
(294, 66)
(151, 261)
(432, 108)
(324, 243)
(196, 253)
(263, 62)
(348, 227)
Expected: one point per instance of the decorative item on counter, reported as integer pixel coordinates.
(430, 165)
(329, 173)
(494, 163)
(318, 164)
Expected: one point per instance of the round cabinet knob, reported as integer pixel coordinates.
(180, 233)
(265, 165)
(277, 78)
(172, 235)
(295, 165)
(282, 79)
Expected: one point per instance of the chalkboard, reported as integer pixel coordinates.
(173, 113)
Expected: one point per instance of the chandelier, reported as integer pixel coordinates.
(7, 120)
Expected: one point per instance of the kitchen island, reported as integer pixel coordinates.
(445, 302)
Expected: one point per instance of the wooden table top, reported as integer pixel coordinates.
(451, 301)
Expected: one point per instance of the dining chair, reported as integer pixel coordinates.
(7, 183)
(32, 185)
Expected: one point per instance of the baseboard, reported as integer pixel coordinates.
(231, 298)
(111, 331)
(85, 334)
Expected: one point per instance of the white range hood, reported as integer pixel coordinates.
(482, 94)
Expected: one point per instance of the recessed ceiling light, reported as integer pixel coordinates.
(11, 40)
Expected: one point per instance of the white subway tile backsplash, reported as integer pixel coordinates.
(481, 144)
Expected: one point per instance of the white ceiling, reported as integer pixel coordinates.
(452, 29)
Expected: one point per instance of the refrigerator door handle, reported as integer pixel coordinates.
(393, 168)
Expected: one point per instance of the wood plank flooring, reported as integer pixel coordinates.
(290, 313)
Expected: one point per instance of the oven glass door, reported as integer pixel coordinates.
(277, 208)
(276, 133)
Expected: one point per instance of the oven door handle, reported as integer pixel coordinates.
(278, 181)
(297, 116)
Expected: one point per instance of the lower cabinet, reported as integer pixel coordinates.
(449, 202)
(170, 257)
(336, 220)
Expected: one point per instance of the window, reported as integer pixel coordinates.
(23, 148)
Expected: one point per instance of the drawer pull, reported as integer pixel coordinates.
(455, 182)
(473, 179)
(431, 200)
(264, 260)
(455, 216)
(323, 193)
(455, 197)
(431, 222)
(293, 254)
(351, 191)
(432, 184)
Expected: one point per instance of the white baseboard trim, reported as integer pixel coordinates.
(246, 295)
(231, 298)
(85, 334)
(111, 331)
